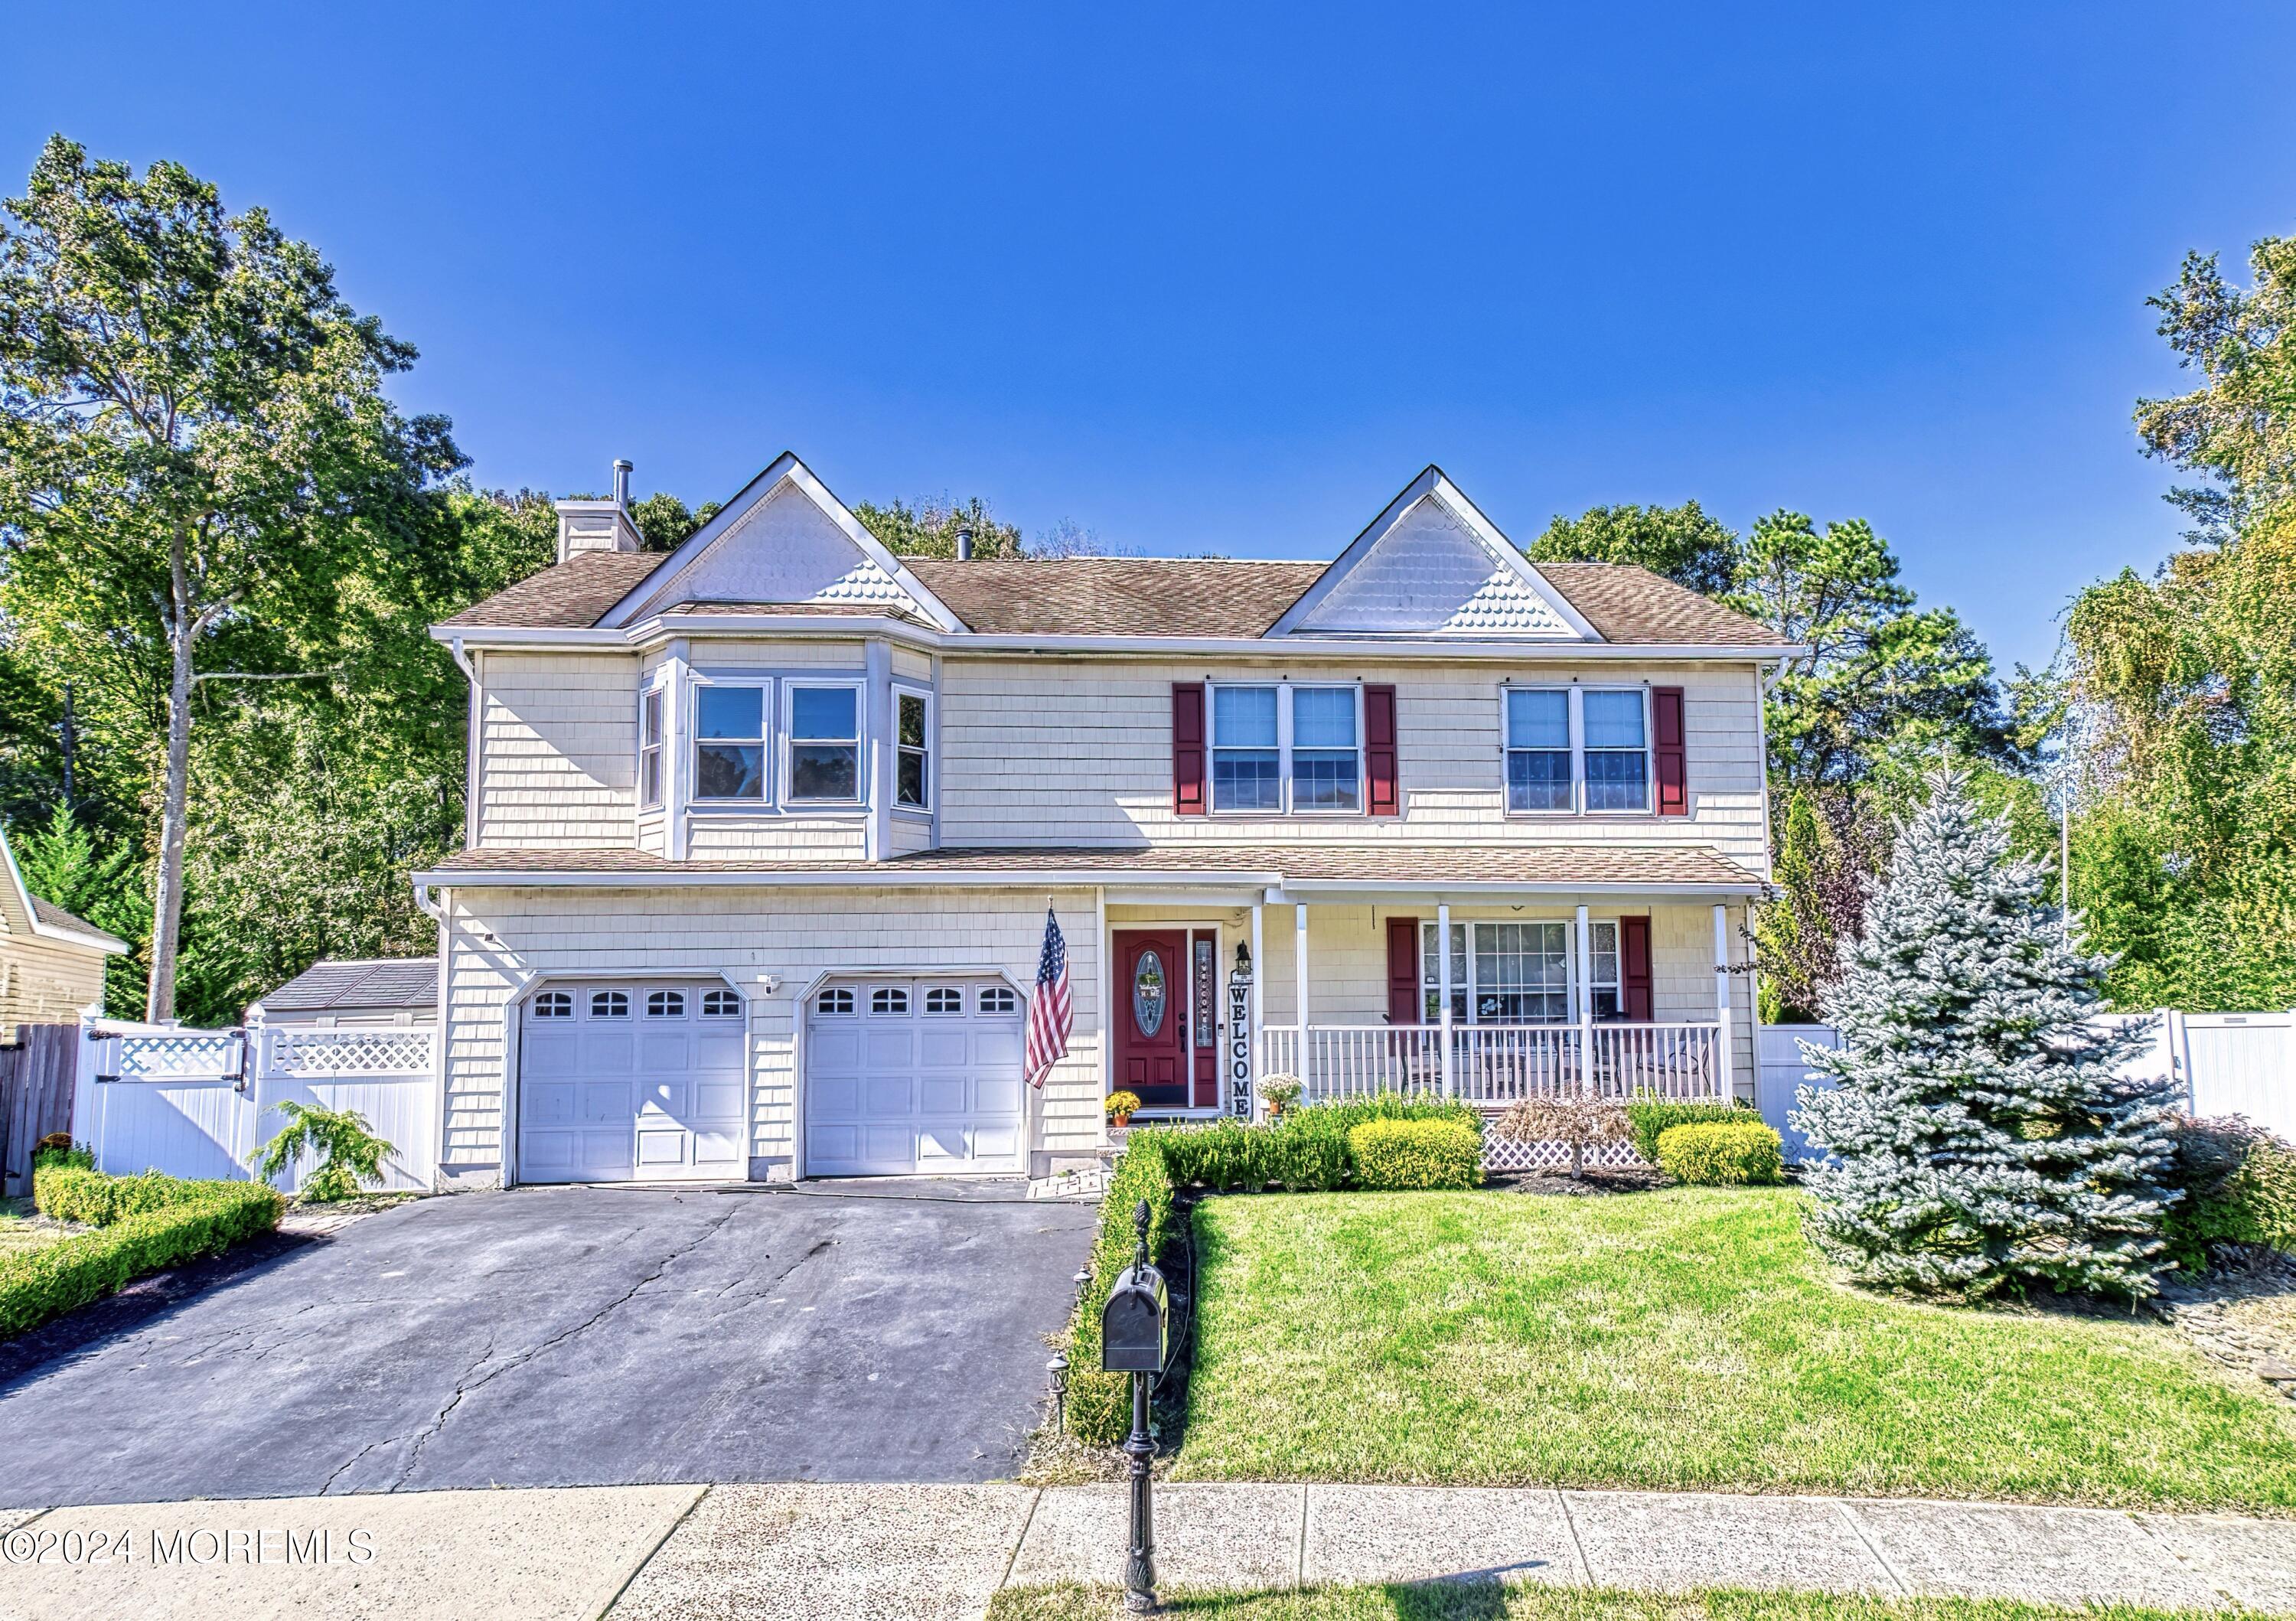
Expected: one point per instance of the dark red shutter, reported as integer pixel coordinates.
(1404, 1004)
(1187, 750)
(1379, 753)
(1673, 756)
(1634, 968)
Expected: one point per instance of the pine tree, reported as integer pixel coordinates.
(1979, 1136)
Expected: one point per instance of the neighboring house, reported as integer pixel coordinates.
(50, 962)
(763, 833)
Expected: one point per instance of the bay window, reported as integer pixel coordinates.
(729, 740)
(824, 743)
(1286, 747)
(650, 748)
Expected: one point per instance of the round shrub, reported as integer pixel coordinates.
(1391, 1154)
(1722, 1154)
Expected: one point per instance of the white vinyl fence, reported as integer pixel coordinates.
(2223, 1064)
(198, 1102)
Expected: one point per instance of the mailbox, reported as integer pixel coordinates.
(1132, 1323)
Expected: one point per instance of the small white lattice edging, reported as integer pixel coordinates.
(353, 1052)
(1505, 1154)
(207, 1055)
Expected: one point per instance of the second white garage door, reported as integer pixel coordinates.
(913, 1076)
(633, 1082)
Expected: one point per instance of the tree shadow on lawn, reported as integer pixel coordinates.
(141, 1302)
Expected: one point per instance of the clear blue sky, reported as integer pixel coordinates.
(1225, 278)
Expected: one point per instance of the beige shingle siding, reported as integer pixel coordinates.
(46, 981)
(796, 935)
(558, 740)
(1079, 752)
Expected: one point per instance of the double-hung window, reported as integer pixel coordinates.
(1603, 972)
(729, 741)
(650, 748)
(1247, 749)
(1537, 749)
(1279, 749)
(1617, 751)
(1327, 749)
(1509, 973)
(913, 750)
(824, 743)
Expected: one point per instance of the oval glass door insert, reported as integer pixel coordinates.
(1148, 996)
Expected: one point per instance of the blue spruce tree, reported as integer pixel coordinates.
(1979, 1136)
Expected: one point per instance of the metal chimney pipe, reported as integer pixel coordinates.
(622, 483)
(963, 542)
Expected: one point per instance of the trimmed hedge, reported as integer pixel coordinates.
(1722, 1154)
(77, 1193)
(1646, 1117)
(37, 1285)
(1308, 1151)
(1396, 1154)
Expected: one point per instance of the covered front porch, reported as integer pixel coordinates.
(1615, 993)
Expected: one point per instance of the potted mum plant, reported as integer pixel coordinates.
(1120, 1106)
(1281, 1092)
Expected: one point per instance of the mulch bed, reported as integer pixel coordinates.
(1598, 1180)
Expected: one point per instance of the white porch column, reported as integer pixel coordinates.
(1443, 990)
(1299, 982)
(1722, 997)
(1582, 976)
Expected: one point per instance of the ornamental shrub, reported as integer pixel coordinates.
(1722, 1154)
(1100, 1405)
(58, 1148)
(37, 1285)
(1392, 1154)
(1646, 1117)
(350, 1154)
(2239, 1182)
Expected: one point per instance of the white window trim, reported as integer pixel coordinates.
(657, 689)
(1283, 805)
(931, 750)
(860, 744)
(695, 683)
(1578, 752)
(1467, 988)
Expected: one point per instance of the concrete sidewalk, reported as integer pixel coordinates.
(652, 1553)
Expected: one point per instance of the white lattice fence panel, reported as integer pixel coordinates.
(201, 1055)
(392, 1051)
(1505, 1154)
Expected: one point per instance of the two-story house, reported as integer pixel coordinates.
(764, 834)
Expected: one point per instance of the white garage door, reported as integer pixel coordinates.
(640, 1082)
(913, 1075)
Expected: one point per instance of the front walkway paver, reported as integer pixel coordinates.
(836, 1552)
(422, 1556)
(1418, 1534)
(1672, 1541)
(2061, 1556)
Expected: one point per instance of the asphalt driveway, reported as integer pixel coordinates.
(563, 1337)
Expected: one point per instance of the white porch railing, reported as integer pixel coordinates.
(1495, 1064)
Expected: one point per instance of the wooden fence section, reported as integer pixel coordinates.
(35, 1097)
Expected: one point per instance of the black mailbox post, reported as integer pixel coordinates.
(1132, 1340)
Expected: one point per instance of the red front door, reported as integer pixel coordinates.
(1151, 1021)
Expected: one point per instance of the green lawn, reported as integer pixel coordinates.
(1438, 1602)
(1686, 1339)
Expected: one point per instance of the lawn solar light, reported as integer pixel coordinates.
(1083, 1282)
(1057, 1370)
(1133, 1325)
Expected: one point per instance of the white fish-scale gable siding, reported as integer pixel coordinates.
(1079, 752)
(785, 549)
(1428, 573)
(558, 742)
(796, 934)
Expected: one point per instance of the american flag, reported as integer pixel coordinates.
(1050, 1015)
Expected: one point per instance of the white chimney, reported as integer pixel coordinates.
(599, 526)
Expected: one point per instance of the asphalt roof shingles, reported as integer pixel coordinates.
(390, 982)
